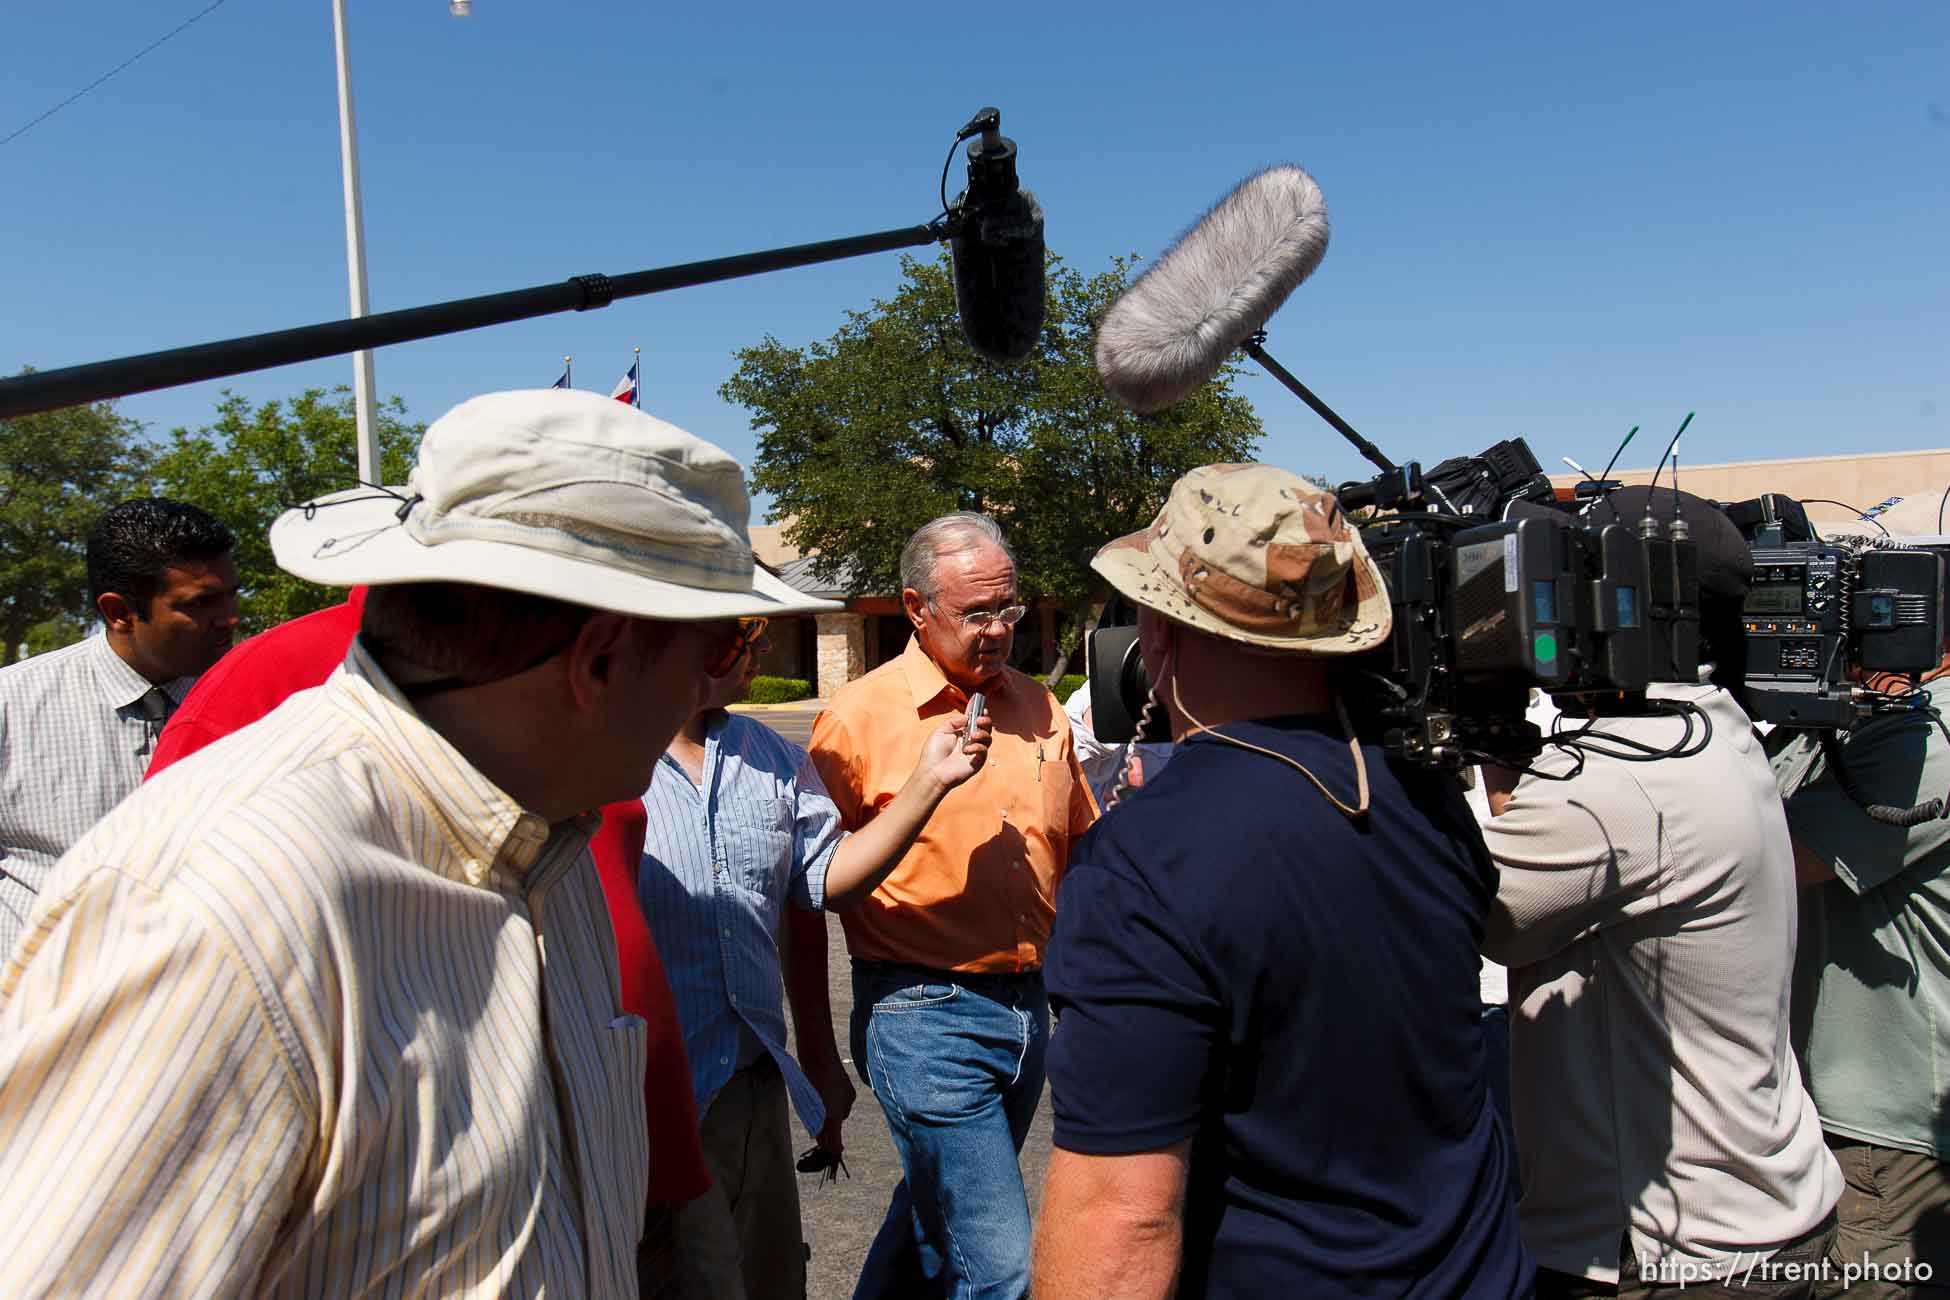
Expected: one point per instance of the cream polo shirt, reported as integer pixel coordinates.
(1647, 914)
(320, 1011)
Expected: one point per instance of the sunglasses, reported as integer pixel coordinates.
(751, 630)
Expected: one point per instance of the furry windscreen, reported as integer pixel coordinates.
(1174, 327)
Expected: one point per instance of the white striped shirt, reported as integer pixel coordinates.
(320, 1011)
(73, 742)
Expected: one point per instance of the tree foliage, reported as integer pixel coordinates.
(893, 420)
(58, 472)
(252, 463)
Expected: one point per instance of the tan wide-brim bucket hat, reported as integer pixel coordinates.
(1255, 554)
(555, 493)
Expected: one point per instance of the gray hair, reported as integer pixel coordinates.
(951, 534)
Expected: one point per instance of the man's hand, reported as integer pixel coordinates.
(1499, 783)
(836, 1091)
(866, 856)
(947, 759)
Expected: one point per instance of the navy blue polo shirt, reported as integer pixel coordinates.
(1238, 964)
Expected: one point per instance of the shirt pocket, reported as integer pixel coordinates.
(1057, 788)
(756, 839)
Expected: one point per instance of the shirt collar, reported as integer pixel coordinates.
(122, 685)
(714, 727)
(486, 827)
(925, 681)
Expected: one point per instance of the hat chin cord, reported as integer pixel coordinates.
(1360, 808)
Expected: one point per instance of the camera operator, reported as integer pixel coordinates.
(1647, 913)
(1872, 984)
(1268, 1075)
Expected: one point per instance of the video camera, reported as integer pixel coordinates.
(1822, 613)
(1485, 608)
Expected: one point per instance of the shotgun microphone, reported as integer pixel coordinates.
(1211, 291)
(997, 246)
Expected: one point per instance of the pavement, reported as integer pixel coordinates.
(793, 721)
(841, 1218)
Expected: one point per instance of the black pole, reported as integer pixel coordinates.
(48, 390)
(1251, 347)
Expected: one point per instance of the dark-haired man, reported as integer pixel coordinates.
(332, 1006)
(77, 725)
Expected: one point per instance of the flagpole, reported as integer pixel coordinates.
(355, 256)
(568, 373)
(637, 366)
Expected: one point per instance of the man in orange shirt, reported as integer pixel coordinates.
(950, 1020)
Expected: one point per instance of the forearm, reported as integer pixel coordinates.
(864, 858)
(802, 954)
(1810, 868)
(1105, 1233)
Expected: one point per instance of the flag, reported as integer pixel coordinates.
(625, 390)
(563, 382)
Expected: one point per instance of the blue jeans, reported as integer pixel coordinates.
(957, 1063)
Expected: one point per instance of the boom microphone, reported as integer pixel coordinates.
(1211, 291)
(998, 249)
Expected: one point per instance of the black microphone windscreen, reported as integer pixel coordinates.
(998, 260)
(1174, 327)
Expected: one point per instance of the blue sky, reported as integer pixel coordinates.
(1549, 220)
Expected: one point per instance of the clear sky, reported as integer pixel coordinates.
(1549, 220)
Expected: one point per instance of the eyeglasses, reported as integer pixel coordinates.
(751, 630)
(977, 619)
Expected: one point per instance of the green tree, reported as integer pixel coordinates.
(252, 463)
(58, 472)
(893, 420)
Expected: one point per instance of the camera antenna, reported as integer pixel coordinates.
(1648, 526)
(1677, 528)
(1662, 459)
(1579, 468)
(1621, 450)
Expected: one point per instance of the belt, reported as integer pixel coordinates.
(1001, 985)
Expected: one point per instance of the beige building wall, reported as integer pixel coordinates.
(770, 546)
(1861, 480)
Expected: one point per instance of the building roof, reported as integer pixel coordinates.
(798, 575)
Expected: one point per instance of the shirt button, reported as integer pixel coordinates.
(726, 933)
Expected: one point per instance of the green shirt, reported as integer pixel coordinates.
(1872, 976)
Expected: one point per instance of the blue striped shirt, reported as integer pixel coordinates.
(720, 860)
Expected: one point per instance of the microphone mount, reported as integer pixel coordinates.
(1255, 347)
(49, 390)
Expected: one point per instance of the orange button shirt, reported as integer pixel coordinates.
(977, 891)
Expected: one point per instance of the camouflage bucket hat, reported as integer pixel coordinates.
(1254, 554)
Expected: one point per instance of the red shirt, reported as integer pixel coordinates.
(259, 673)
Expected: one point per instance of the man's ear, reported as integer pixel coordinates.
(594, 657)
(1157, 634)
(117, 611)
(913, 603)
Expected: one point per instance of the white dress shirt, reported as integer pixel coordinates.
(75, 739)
